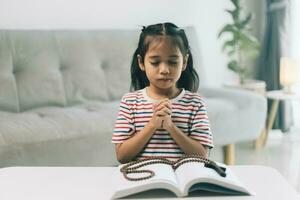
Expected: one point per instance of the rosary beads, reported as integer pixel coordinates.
(133, 167)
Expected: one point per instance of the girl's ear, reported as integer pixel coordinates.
(141, 62)
(185, 61)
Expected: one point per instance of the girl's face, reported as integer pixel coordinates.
(163, 63)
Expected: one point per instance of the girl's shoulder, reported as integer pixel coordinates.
(194, 96)
(132, 96)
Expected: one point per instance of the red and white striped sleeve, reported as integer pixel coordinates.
(200, 129)
(124, 126)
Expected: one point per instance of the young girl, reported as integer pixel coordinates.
(162, 116)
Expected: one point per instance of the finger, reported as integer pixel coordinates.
(164, 112)
(163, 105)
(161, 113)
(160, 102)
(168, 104)
(167, 111)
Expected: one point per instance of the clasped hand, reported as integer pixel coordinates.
(162, 111)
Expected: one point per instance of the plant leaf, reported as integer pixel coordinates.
(231, 52)
(236, 3)
(248, 42)
(229, 44)
(242, 42)
(233, 65)
(242, 24)
(234, 14)
(228, 28)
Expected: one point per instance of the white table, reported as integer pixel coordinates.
(93, 183)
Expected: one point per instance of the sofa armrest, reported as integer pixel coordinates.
(235, 115)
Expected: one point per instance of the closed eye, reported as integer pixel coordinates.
(154, 63)
(173, 63)
(170, 63)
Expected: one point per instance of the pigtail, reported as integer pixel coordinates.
(139, 79)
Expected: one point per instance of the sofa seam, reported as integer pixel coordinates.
(60, 59)
(12, 44)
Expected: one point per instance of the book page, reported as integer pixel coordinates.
(164, 178)
(191, 173)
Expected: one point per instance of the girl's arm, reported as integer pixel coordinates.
(188, 145)
(130, 148)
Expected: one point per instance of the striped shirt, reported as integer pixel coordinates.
(188, 114)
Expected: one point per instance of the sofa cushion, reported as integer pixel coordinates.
(79, 125)
(116, 53)
(36, 69)
(8, 88)
(81, 67)
(63, 68)
(50, 123)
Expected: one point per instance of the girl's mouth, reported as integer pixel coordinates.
(165, 79)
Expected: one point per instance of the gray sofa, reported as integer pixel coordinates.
(60, 91)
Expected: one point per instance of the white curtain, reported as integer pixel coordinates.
(295, 53)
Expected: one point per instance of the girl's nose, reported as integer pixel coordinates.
(164, 69)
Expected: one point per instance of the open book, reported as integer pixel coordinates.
(186, 178)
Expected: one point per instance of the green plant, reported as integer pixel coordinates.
(241, 47)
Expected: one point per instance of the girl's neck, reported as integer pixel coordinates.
(157, 93)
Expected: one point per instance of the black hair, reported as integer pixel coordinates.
(189, 78)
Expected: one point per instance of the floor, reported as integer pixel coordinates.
(281, 152)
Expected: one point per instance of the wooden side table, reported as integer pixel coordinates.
(275, 96)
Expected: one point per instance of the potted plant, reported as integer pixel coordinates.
(241, 47)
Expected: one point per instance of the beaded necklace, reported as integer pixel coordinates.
(133, 167)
